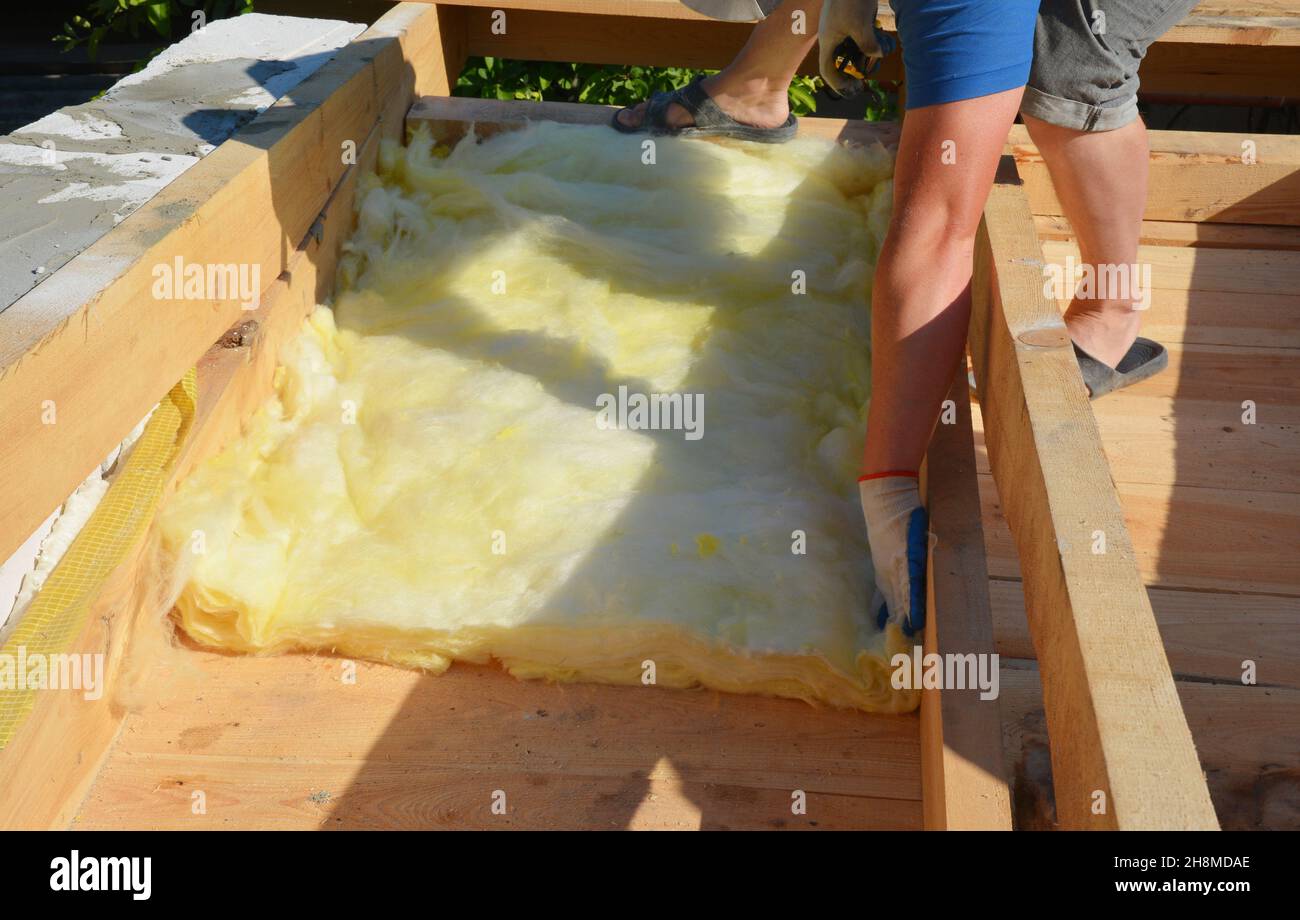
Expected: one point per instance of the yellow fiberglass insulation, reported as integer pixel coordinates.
(442, 475)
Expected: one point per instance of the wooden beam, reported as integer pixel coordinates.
(1195, 177)
(1184, 233)
(93, 349)
(1232, 73)
(443, 70)
(1213, 22)
(449, 118)
(1122, 755)
(963, 778)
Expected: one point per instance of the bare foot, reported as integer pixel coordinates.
(751, 101)
(1105, 332)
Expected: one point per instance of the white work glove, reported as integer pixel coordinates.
(898, 531)
(841, 19)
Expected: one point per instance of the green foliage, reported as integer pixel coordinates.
(103, 19)
(880, 105)
(615, 84)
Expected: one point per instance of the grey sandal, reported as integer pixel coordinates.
(1144, 359)
(710, 121)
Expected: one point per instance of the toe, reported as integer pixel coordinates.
(678, 117)
(632, 117)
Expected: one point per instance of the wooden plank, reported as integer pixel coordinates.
(1227, 375)
(606, 39)
(449, 119)
(94, 327)
(1212, 22)
(284, 742)
(593, 38)
(1187, 268)
(1215, 538)
(1208, 635)
(1200, 443)
(1249, 763)
(443, 70)
(1183, 537)
(1262, 23)
(1182, 233)
(1195, 298)
(962, 779)
(1217, 72)
(1195, 176)
(1266, 322)
(1122, 755)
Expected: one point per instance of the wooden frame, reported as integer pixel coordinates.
(1098, 648)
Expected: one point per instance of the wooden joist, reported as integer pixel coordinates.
(449, 119)
(963, 781)
(1122, 756)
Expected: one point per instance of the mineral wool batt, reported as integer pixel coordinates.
(585, 406)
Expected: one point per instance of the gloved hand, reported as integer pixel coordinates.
(841, 19)
(898, 531)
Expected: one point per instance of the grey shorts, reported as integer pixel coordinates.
(1086, 57)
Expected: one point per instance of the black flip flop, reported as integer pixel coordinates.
(710, 121)
(1144, 359)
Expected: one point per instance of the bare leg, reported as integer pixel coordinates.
(947, 159)
(753, 88)
(1101, 180)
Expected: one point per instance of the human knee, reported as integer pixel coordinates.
(939, 230)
